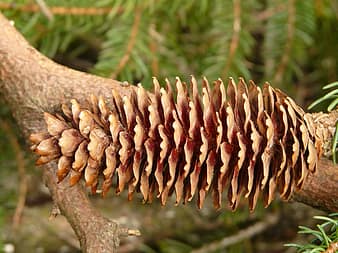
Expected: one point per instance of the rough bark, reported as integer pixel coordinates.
(30, 83)
(320, 189)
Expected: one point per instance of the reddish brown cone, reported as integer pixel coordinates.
(241, 138)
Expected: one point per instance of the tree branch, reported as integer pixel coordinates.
(59, 10)
(243, 234)
(320, 189)
(30, 83)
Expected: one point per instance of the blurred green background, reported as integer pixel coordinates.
(292, 44)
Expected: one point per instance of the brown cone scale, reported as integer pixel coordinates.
(242, 139)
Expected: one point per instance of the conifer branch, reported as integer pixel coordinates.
(291, 25)
(131, 43)
(59, 10)
(154, 50)
(235, 36)
(45, 9)
(268, 13)
(243, 234)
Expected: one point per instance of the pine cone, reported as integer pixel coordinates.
(241, 138)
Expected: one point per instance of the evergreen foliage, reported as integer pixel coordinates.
(288, 35)
(279, 41)
(325, 235)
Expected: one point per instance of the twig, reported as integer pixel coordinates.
(131, 43)
(54, 212)
(288, 45)
(235, 36)
(45, 9)
(255, 229)
(22, 174)
(333, 248)
(153, 48)
(268, 13)
(124, 232)
(60, 10)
